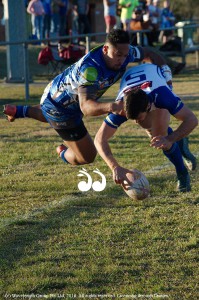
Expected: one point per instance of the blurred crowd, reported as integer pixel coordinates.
(144, 14)
(63, 17)
(58, 17)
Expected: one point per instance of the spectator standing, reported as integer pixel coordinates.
(63, 8)
(110, 8)
(82, 8)
(140, 23)
(59, 16)
(36, 9)
(73, 22)
(143, 4)
(47, 18)
(154, 12)
(167, 20)
(55, 15)
(127, 8)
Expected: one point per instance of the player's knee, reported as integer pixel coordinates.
(87, 159)
(90, 159)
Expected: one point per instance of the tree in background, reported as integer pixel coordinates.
(185, 9)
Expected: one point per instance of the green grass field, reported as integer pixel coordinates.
(59, 243)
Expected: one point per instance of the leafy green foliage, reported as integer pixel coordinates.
(185, 9)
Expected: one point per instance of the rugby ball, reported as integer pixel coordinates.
(139, 188)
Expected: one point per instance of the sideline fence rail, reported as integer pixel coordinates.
(88, 38)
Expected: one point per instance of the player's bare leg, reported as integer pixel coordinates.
(12, 112)
(35, 112)
(78, 152)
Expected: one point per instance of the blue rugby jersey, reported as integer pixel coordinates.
(150, 79)
(90, 70)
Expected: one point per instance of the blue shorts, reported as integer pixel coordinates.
(60, 117)
(67, 121)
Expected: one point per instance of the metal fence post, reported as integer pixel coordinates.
(88, 44)
(139, 38)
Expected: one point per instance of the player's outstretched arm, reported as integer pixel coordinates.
(102, 137)
(101, 142)
(91, 107)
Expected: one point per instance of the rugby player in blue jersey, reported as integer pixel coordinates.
(76, 92)
(149, 101)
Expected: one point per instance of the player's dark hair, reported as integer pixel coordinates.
(135, 102)
(117, 36)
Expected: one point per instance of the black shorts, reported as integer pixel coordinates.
(73, 134)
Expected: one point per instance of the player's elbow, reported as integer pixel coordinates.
(98, 140)
(84, 108)
(87, 108)
(195, 121)
(192, 122)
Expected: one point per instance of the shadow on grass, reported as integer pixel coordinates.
(28, 235)
(24, 233)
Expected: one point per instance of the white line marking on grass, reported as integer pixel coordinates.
(37, 211)
(29, 216)
(158, 168)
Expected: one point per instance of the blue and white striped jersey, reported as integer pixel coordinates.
(90, 70)
(150, 79)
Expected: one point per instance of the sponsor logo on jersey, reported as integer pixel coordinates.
(90, 74)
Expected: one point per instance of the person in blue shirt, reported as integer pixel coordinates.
(149, 101)
(167, 20)
(76, 92)
(47, 18)
(63, 8)
(82, 8)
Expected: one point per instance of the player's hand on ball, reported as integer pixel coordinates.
(160, 142)
(121, 175)
(137, 187)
